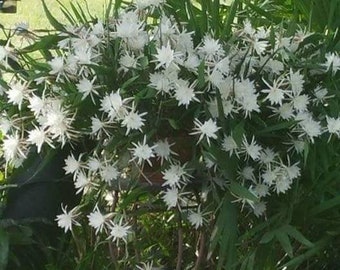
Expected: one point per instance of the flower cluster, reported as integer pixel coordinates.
(141, 97)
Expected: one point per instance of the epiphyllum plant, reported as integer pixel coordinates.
(217, 119)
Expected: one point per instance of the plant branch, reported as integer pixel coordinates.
(180, 241)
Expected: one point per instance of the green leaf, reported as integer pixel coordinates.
(242, 192)
(324, 206)
(293, 232)
(4, 248)
(283, 238)
(53, 21)
(267, 237)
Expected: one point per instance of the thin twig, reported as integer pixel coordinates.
(201, 250)
(112, 248)
(180, 241)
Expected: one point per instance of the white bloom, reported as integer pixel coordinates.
(267, 156)
(85, 87)
(13, 147)
(296, 80)
(247, 173)
(246, 96)
(174, 176)
(57, 65)
(58, 123)
(251, 149)
(185, 93)
(259, 208)
(119, 231)
(332, 62)
(229, 144)
(285, 111)
(109, 173)
(128, 26)
(142, 152)
(113, 105)
(309, 126)
(97, 220)
(165, 56)
(162, 150)
(211, 49)
(282, 183)
(275, 93)
(38, 137)
(270, 175)
(207, 129)
(133, 121)
(36, 104)
(93, 164)
(17, 93)
(196, 219)
(260, 190)
(5, 125)
(127, 62)
(67, 219)
(72, 165)
(333, 125)
(300, 103)
(170, 197)
(82, 182)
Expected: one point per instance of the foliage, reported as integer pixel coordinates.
(205, 135)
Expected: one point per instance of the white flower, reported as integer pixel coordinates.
(109, 173)
(211, 49)
(275, 93)
(296, 80)
(93, 164)
(133, 121)
(259, 208)
(17, 93)
(58, 123)
(170, 197)
(97, 220)
(300, 103)
(229, 145)
(207, 129)
(196, 219)
(127, 62)
(285, 111)
(333, 125)
(260, 190)
(184, 93)
(119, 231)
(174, 176)
(246, 96)
(36, 104)
(13, 147)
(129, 26)
(72, 165)
(85, 87)
(251, 149)
(149, 265)
(165, 56)
(142, 152)
(57, 65)
(282, 183)
(267, 156)
(5, 125)
(113, 105)
(332, 62)
(81, 182)
(309, 126)
(162, 150)
(38, 137)
(67, 219)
